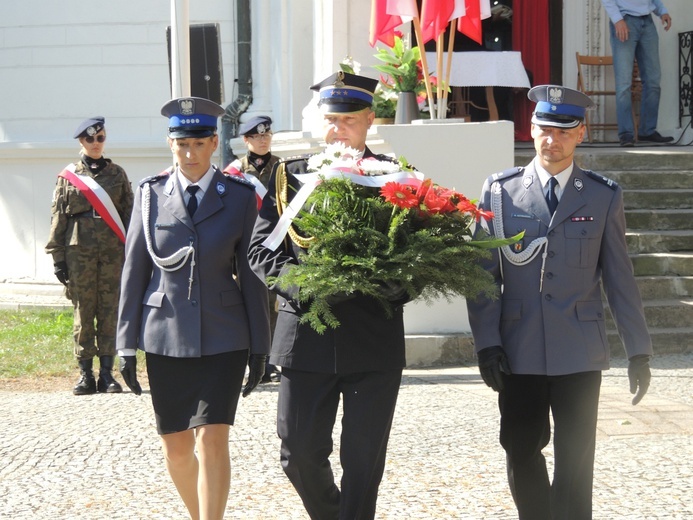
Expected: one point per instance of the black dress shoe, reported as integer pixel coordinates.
(655, 137)
(627, 141)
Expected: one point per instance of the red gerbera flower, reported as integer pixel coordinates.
(436, 199)
(467, 206)
(399, 194)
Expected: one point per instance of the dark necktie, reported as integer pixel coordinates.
(192, 202)
(551, 198)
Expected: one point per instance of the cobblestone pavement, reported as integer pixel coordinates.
(97, 457)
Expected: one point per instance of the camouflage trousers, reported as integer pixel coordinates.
(94, 289)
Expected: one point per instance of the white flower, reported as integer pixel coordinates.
(371, 166)
(337, 156)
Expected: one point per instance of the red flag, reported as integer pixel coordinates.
(470, 23)
(386, 16)
(435, 15)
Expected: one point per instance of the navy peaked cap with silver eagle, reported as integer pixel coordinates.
(558, 106)
(89, 127)
(343, 92)
(191, 117)
(256, 125)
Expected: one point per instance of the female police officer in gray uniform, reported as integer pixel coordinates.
(183, 306)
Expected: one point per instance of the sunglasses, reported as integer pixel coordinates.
(99, 138)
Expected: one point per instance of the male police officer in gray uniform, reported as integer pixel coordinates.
(543, 344)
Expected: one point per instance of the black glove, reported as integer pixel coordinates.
(493, 363)
(60, 270)
(128, 369)
(639, 376)
(256, 364)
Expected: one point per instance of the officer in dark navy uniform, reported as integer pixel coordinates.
(542, 345)
(360, 362)
(191, 302)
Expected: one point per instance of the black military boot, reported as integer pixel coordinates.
(106, 382)
(86, 384)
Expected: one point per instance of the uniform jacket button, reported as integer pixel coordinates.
(548, 297)
(551, 254)
(549, 275)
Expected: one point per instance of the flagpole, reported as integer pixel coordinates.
(424, 65)
(451, 46)
(180, 48)
(440, 45)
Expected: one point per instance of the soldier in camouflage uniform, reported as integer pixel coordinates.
(91, 210)
(258, 163)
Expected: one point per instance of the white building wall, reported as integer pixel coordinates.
(63, 61)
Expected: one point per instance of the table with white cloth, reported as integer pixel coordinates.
(486, 69)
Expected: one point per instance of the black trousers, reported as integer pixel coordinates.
(525, 430)
(307, 410)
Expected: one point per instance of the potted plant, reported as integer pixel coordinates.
(403, 76)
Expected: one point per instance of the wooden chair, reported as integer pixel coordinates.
(586, 84)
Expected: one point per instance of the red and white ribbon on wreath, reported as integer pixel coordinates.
(97, 197)
(310, 182)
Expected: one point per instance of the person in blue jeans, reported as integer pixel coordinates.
(634, 37)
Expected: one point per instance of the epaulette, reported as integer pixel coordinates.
(240, 180)
(600, 178)
(164, 174)
(506, 174)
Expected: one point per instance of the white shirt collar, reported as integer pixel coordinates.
(561, 177)
(203, 183)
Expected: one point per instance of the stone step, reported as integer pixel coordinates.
(663, 264)
(654, 160)
(663, 314)
(649, 219)
(659, 241)
(665, 287)
(658, 199)
(633, 180)
(664, 341)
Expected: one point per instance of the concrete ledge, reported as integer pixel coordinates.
(443, 349)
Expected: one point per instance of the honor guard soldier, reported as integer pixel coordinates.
(256, 167)
(543, 345)
(192, 303)
(360, 361)
(91, 210)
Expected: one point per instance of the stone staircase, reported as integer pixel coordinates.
(658, 197)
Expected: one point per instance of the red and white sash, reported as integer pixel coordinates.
(235, 169)
(97, 197)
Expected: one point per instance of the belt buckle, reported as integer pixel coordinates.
(94, 213)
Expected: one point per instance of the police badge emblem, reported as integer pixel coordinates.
(221, 189)
(187, 106)
(556, 95)
(578, 184)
